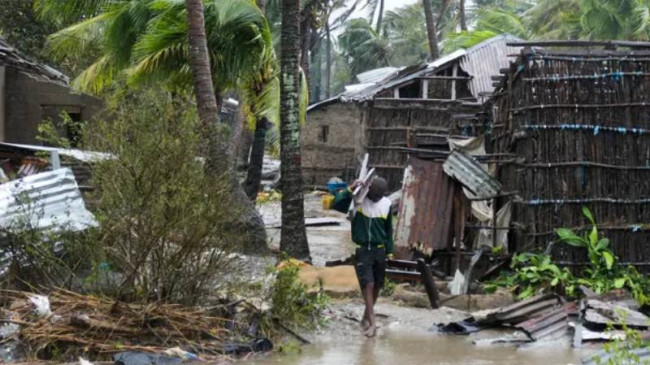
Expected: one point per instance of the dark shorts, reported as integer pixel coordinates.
(370, 266)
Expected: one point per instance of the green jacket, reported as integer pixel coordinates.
(373, 222)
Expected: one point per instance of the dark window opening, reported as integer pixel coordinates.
(324, 132)
(412, 91)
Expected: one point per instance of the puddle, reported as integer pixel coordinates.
(403, 349)
(404, 339)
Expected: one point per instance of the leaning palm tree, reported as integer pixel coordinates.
(293, 236)
(147, 41)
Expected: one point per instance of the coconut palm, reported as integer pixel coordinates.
(363, 48)
(146, 41)
(293, 236)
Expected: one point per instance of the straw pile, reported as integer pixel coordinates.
(87, 324)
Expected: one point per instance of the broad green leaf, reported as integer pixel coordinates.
(569, 237)
(587, 213)
(555, 281)
(609, 259)
(619, 283)
(593, 236)
(602, 244)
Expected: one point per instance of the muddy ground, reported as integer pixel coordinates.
(406, 334)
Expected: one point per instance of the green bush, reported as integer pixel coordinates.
(292, 303)
(165, 224)
(535, 273)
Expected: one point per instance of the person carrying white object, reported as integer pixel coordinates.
(372, 232)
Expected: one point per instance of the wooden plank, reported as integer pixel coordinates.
(403, 275)
(429, 284)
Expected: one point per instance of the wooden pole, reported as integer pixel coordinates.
(429, 283)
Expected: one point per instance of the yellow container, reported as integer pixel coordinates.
(328, 201)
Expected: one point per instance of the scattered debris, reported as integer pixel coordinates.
(135, 334)
(47, 201)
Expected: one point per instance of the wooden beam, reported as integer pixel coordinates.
(454, 74)
(425, 89)
(429, 283)
(444, 78)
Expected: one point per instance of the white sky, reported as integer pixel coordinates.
(388, 5)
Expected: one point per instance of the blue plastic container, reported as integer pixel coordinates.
(334, 187)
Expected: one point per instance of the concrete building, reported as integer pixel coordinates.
(31, 92)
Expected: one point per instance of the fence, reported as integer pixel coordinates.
(578, 122)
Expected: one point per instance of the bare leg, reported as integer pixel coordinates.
(370, 298)
(375, 294)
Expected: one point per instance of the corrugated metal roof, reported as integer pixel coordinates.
(425, 212)
(481, 62)
(81, 155)
(47, 201)
(10, 56)
(484, 60)
(522, 311)
(377, 75)
(471, 174)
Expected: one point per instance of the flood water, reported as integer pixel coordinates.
(405, 339)
(405, 349)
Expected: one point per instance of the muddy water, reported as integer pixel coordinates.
(406, 349)
(405, 338)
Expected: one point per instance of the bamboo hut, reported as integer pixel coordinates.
(577, 117)
(392, 110)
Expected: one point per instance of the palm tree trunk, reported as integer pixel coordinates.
(216, 149)
(328, 66)
(463, 19)
(380, 17)
(293, 239)
(432, 34)
(317, 71)
(305, 40)
(256, 162)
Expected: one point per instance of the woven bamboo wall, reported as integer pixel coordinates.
(389, 125)
(579, 122)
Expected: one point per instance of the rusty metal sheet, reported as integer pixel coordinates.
(425, 212)
(551, 324)
(469, 172)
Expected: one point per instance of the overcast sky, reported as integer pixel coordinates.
(388, 5)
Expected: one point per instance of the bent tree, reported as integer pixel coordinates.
(293, 237)
(216, 147)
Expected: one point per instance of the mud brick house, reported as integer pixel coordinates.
(31, 92)
(390, 107)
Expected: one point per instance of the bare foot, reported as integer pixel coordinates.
(365, 324)
(371, 331)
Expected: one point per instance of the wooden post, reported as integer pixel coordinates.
(453, 82)
(425, 89)
(429, 284)
(456, 213)
(396, 93)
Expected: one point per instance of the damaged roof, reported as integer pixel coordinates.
(49, 201)
(471, 174)
(481, 62)
(11, 57)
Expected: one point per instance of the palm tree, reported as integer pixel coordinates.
(432, 31)
(147, 41)
(293, 236)
(363, 48)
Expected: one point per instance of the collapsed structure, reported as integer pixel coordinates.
(391, 108)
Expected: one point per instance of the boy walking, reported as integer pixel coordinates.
(372, 232)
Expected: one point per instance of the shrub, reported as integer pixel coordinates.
(164, 222)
